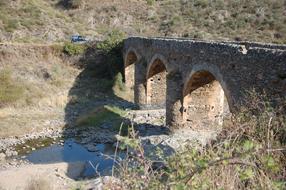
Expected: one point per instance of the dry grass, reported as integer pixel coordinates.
(36, 87)
(254, 21)
(51, 85)
(26, 17)
(11, 91)
(29, 74)
(249, 154)
(21, 121)
(258, 20)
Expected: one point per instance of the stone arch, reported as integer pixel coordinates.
(131, 58)
(206, 100)
(156, 86)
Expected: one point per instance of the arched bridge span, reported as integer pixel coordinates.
(198, 82)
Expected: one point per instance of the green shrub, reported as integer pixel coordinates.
(3, 3)
(11, 25)
(112, 43)
(10, 91)
(71, 4)
(201, 3)
(75, 4)
(118, 82)
(74, 49)
(150, 2)
(111, 49)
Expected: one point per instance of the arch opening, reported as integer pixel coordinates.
(129, 69)
(205, 105)
(156, 85)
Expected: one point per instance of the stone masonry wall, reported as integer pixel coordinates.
(203, 108)
(156, 90)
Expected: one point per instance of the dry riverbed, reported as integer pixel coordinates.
(53, 152)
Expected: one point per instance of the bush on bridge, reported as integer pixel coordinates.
(74, 49)
(111, 48)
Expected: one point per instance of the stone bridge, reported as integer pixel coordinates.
(199, 82)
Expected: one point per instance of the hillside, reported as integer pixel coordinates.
(57, 20)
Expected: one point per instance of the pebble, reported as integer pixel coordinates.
(2, 156)
(98, 183)
(10, 153)
(91, 148)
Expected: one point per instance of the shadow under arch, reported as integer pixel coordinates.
(206, 100)
(94, 85)
(156, 82)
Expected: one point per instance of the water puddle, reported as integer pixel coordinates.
(98, 162)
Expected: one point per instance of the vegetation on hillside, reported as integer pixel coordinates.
(72, 49)
(36, 21)
(40, 20)
(261, 20)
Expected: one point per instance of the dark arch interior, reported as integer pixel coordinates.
(198, 80)
(129, 70)
(156, 85)
(131, 58)
(204, 102)
(157, 67)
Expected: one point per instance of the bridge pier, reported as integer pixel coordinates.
(174, 116)
(140, 84)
